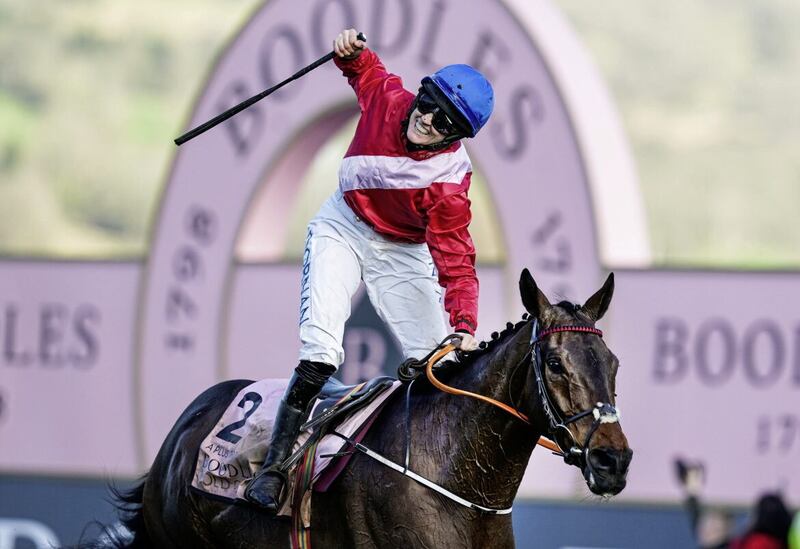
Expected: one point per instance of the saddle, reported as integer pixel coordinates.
(336, 400)
(335, 389)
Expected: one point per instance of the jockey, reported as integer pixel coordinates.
(398, 221)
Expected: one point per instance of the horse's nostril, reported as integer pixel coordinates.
(608, 460)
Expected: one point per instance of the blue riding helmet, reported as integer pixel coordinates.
(467, 90)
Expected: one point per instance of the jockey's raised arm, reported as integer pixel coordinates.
(368, 77)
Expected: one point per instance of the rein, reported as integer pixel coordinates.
(448, 348)
(453, 391)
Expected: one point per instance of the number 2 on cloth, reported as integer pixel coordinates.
(227, 433)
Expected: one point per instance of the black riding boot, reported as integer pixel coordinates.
(265, 489)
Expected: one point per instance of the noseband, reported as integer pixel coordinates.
(574, 453)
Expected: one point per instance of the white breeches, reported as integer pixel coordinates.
(400, 279)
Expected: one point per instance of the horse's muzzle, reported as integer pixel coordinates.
(606, 470)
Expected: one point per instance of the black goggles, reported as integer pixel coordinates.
(441, 122)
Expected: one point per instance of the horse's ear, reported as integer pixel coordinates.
(597, 305)
(532, 297)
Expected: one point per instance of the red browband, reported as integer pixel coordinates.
(587, 329)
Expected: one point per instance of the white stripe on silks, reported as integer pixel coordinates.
(401, 172)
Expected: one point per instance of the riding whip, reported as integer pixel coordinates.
(247, 102)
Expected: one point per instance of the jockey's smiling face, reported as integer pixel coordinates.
(421, 131)
(428, 123)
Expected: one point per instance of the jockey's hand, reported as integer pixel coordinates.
(468, 342)
(347, 45)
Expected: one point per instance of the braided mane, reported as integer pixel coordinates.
(485, 347)
(497, 338)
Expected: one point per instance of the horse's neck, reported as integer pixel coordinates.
(482, 451)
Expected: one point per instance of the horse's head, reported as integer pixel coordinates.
(571, 385)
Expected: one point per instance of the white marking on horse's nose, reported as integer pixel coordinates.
(605, 413)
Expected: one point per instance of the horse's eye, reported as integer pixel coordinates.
(554, 365)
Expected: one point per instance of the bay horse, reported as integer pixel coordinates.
(552, 368)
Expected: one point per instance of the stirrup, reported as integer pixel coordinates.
(252, 496)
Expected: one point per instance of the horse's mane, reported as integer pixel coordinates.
(485, 347)
(569, 307)
(497, 339)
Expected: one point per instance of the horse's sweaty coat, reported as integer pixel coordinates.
(234, 450)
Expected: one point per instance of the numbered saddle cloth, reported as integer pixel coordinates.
(234, 450)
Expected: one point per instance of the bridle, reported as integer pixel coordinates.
(573, 452)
